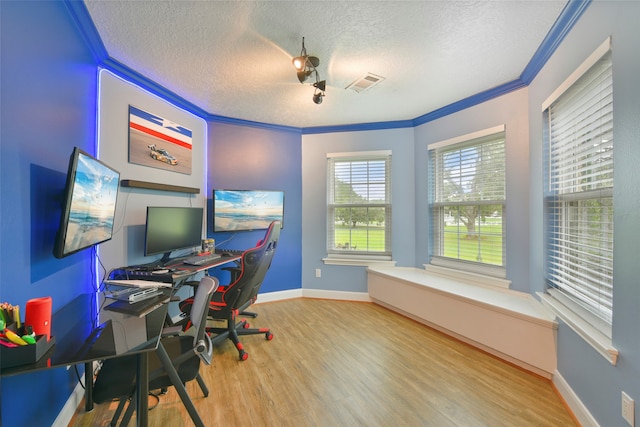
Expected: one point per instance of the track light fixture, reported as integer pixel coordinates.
(317, 97)
(305, 66)
(320, 85)
(318, 94)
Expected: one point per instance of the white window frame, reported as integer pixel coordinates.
(436, 203)
(342, 255)
(590, 318)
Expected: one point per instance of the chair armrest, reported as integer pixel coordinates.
(204, 349)
(234, 271)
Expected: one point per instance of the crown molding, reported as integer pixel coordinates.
(565, 22)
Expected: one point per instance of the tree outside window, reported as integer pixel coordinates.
(468, 200)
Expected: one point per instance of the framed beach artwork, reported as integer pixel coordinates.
(159, 143)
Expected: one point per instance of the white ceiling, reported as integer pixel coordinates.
(233, 58)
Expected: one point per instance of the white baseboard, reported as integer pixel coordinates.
(279, 295)
(313, 293)
(336, 295)
(69, 409)
(572, 400)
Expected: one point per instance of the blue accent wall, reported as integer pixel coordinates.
(48, 86)
(258, 158)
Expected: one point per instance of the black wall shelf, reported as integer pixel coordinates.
(131, 183)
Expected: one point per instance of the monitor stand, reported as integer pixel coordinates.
(166, 258)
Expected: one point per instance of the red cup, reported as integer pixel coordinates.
(38, 316)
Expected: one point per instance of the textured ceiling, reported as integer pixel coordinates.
(233, 58)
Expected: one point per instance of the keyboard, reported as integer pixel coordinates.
(201, 259)
(127, 273)
(133, 294)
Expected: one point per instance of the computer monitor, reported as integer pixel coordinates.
(246, 210)
(89, 207)
(169, 229)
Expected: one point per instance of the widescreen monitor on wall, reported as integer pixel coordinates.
(246, 210)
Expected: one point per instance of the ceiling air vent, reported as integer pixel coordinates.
(365, 83)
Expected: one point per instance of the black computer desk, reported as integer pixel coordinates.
(179, 273)
(83, 342)
(173, 271)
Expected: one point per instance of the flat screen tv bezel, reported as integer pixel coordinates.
(61, 247)
(262, 226)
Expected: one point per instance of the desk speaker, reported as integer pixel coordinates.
(38, 316)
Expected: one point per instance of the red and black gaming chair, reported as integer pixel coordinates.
(230, 301)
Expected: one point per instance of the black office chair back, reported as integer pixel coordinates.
(202, 345)
(255, 263)
(117, 377)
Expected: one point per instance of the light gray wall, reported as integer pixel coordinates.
(314, 219)
(409, 180)
(127, 245)
(510, 110)
(595, 381)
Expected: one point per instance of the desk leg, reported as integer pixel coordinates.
(175, 380)
(142, 390)
(88, 386)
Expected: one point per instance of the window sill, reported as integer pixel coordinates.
(470, 267)
(596, 339)
(467, 276)
(361, 262)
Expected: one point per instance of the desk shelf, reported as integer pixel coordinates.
(131, 183)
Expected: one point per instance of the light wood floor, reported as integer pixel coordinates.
(335, 363)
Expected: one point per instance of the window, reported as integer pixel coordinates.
(579, 192)
(467, 202)
(359, 204)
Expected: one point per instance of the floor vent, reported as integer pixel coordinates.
(365, 83)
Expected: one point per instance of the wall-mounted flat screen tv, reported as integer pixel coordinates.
(89, 205)
(246, 210)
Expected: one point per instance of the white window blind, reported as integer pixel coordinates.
(579, 190)
(359, 203)
(467, 201)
